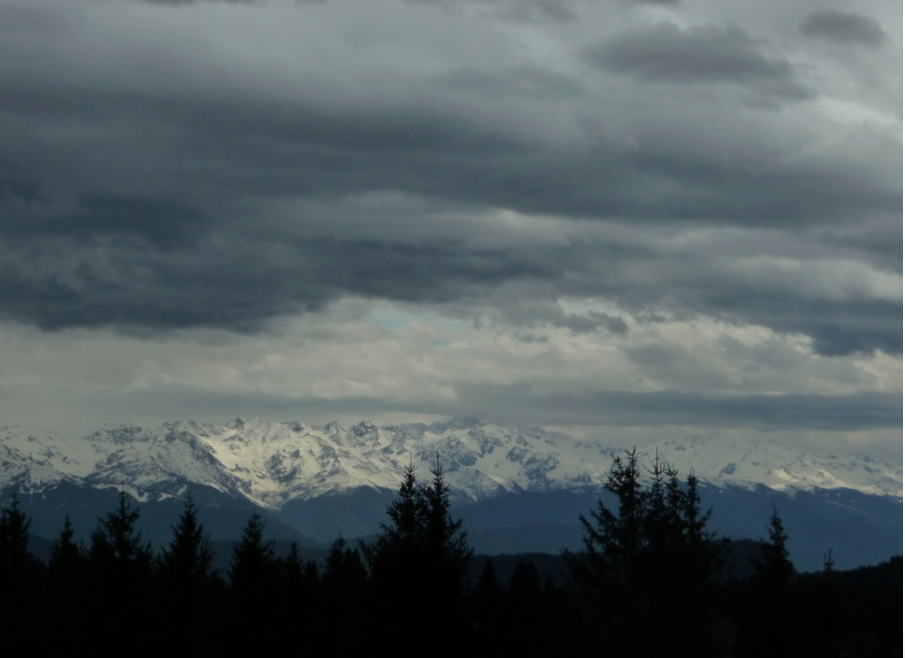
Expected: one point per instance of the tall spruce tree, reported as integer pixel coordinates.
(394, 557)
(66, 582)
(122, 538)
(447, 549)
(64, 550)
(253, 563)
(119, 560)
(769, 627)
(253, 575)
(19, 573)
(15, 557)
(651, 561)
(66, 564)
(612, 540)
(773, 566)
(186, 560)
(185, 573)
(420, 556)
(119, 569)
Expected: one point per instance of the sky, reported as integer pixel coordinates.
(627, 220)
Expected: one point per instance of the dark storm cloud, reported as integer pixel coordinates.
(231, 146)
(241, 281)
(836, 328)
(146, 200)
(843, 27)
(232, 282)
(705, 54)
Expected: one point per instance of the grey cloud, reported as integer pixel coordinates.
(186, 270)
(614, 324)
(838, 328)
(25, 17)
(595, 321)
(151, 204)
(530, 82)
(518, 404)
(862, 411)
(843, 27)
(280, 148)
(703, 54)
(185, 3)
(531, 314)
(133, 262)
(233, 282)
(560, 11)
(691, 282)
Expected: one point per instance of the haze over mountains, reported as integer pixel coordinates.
(517, 488)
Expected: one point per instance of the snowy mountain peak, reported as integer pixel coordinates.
(272, 464)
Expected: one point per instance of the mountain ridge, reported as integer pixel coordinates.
(516, 489)
(272, 463)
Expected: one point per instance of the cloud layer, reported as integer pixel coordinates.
(546, 172)
(844, 27)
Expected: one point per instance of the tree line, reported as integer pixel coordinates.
(648, 581)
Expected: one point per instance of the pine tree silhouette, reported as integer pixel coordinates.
(19, 570)
(253, 559)
(447, 550)
(186, 560)
(185, 573)
(651, 562)
(421, 555)
(120, 569)
(773, 567)
(15, 557)
(253, 576)
(124, 545)
(67, 560)
(770, 627)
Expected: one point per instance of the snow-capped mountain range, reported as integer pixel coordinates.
(271, 464)
(516, 489)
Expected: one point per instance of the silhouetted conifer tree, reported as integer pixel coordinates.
(16, 562)
(185, 572)
(65, 555)
(344, 595)
(447, 551)
(19, 573)
(421, 555)
(118, 540)
(773, 567)
(66, 567)
(187, 559)
(119, 570)
(253, 560)
(253, 576)
(651, 562)
(769, 626)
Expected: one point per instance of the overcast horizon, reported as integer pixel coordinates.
(622, 219)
